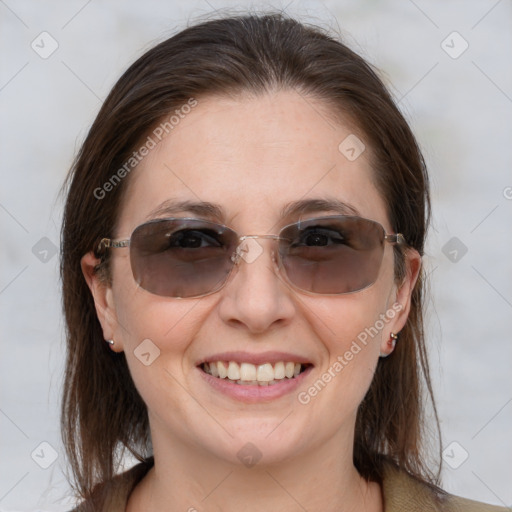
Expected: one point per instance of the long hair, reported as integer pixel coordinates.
(102, 412)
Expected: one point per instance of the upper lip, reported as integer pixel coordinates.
(256, 359)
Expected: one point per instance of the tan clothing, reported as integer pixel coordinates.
(401, 492)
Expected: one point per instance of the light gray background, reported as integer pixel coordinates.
(460, 109)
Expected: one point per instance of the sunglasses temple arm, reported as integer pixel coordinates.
(108, 243)
(397, 238)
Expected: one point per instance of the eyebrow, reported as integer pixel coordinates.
(215, 211)
(199, 208)
(317, 205)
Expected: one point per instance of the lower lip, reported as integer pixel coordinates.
(255, 393)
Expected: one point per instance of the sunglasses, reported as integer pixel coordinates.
(185, 257)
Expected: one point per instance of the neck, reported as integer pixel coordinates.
(185, 478)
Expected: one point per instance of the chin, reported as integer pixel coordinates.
(264, 442)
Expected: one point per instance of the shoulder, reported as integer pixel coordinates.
(404, 493)
(401, 493)
(112, 496)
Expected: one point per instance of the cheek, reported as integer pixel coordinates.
(142, 315)
(351, 328)
(155, 332)
(157, 338)
(356, 322)
(354, 332)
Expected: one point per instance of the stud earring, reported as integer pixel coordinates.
(110, 342)
(391, 344)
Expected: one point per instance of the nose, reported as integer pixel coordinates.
(256, 298)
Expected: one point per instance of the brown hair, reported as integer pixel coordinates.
(102, 412)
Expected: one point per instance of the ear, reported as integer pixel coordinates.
(103, 300)
(399, 301)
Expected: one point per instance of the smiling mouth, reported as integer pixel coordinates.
(248, 374)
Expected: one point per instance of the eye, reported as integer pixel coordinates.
(194, 239)
(320, 237)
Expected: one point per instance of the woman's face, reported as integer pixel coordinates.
(252, 158)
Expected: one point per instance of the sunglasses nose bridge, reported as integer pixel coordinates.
(249, 251)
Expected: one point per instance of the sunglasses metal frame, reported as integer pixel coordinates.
(391, 238)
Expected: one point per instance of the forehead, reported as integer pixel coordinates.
(252, 157)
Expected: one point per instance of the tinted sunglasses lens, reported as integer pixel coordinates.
(332, 255)
(181, 258)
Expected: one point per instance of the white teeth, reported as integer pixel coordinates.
(247, 371)
(279, 370)
(250, 374)
(265, 373)
(214, 370)
(233, 371)
(288, 370)
(221, 369)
